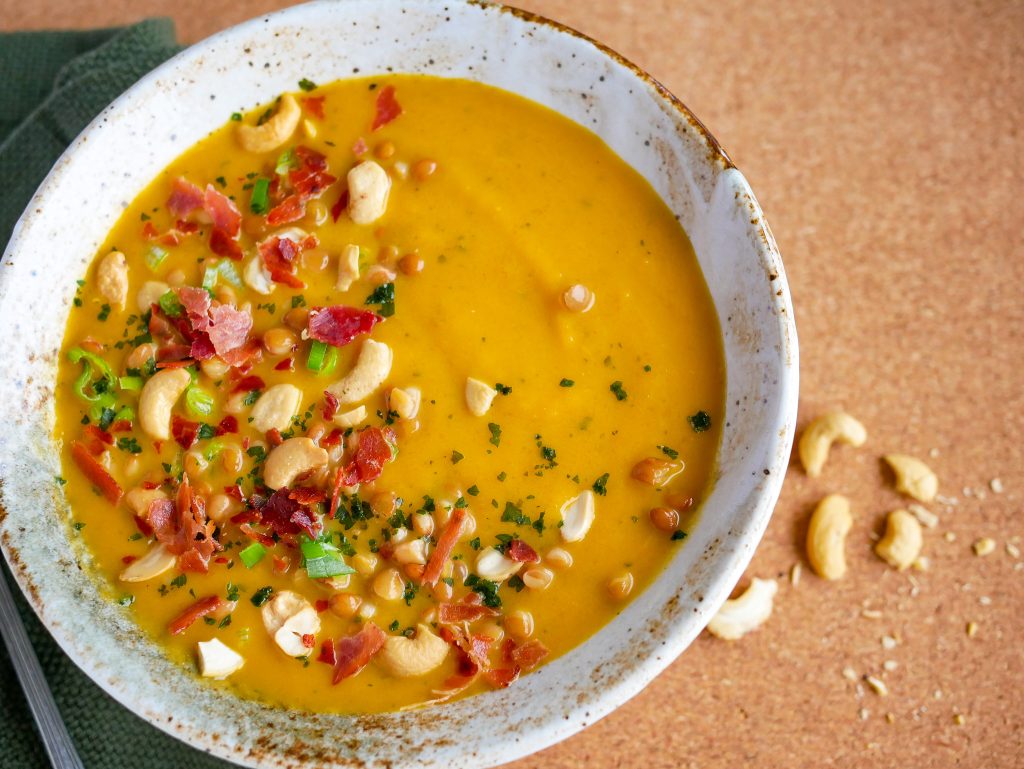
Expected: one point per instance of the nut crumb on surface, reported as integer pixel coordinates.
(996, 485)
(972, 629)
(888, 642)
(984, 546)
(877, 686)
(959, 719)
(890, 665)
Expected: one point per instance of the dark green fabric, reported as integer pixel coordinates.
(51, 85)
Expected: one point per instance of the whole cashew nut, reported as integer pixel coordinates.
(492, 565)
(738, 616)
(290, 460)
(276, 407)
(372, 367)
(826, 536)
(154, 563)
(112, 278)
(408, 657)
(368, 188)
(158, 397)
(140, 498)
(902, 542)
(275, 131)
(913, 477)
(217, 660)
(822, 433)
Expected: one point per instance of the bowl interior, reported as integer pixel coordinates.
(168, 111)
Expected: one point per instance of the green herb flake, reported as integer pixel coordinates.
(601, 485)
(485, 589)
(620, 393)
(236, 116)
(393, 626)
(475, 543)
(457, 456)
(514, 514)
(261, 596)
(251, 397)
(566, 383)
(298, 301)
(669, 452)
(60, 481)
(495, 433)
(307, 85)
(126, 600)
(384, 295)
(503, 389)
(516, 583)
(104, 312)
(700, 422)
(678, 534)
(473, 490)
(130, 445)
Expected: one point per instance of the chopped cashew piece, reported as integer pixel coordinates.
(276, 407)
(408, 657)
(350, 418)
(405, 402)
(112, 278)
(288, 617)
(826, 536)
(902, 541)
(738, 616)
(913, 477)
(257, 277)
(158, 397)
(479, 396)
(275, 131)
(368, 188)
(140, 498)
(372, 367)
(577, 516)
(348, 267)
(217, 660)
(154, 563)
(413, 551)
(290, 460)
(492, 565)
(822, 433)
(150, 294)
(984, 546)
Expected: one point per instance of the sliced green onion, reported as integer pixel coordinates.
(259, 203)
(155, 256)
(92, 365)
(226, 270)
(170, 304)
(311, 548)
(317, 353)
(102, 410)
(212, 450)
(209, 278)
(133, 383)
(330, 362)
(285, 162)
(252, 555)
(125, 413)
(322, 559)
(198, 401)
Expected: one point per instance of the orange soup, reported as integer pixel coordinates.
(387, 393)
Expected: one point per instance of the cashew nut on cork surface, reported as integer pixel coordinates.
(913, 477)
(826, 536)
(820, 434)
(738, 616)
(902, 542)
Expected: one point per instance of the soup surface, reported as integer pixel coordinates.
(388, 393)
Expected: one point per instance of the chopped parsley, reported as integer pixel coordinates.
(514, 514)
(485, 589)
(475, 543)
(678, 534)
(601, 485)
(393, 626)
(516, 583)
(262, 595)
(700, 422)
(669, 452)
(384, 295)
(620, 393)
(104, 312)
(307, 85)
(503, 389)
(130, 445)
(457, 456)
(495, 433)
(236, 116)
(473, 490)
(298, 301)
(410, 593)
(251, 397)
(566, 383)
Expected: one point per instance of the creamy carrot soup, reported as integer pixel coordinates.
(388, 393)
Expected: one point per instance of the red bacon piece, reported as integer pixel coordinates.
(338, 325)
(196, 302)
(199, 609)
(331, 405)
(387, 108)
(527, 655)
(354, 652)
(291, 209)
(96, 473)
(333, 439)
(228, 424)
(327, 653)
(222, 211)
(224, 245)
(445, 544)
(285, 365)
(248, 384)
(521, 552)
(185, 198)
(455, 613)
(502, 678)
(245, 357)
(184, 431)
(373, 451)
(143, 526)
(305, 495)
(340, 205)
(287, 517)
(279, 258)
(229, 328)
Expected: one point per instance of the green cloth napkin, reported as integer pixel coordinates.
(51, 85)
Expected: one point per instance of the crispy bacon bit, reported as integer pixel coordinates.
(228, 424)
(359, 148)
(339, 206)
(221, 559)
(338, 325)
(200, 608)
(526, 656)
(291, 209)
(314, 105)
(274, 437)
(279, 256)
(248, 384)
(149, 231)
(308, 182)
(388, 107)
(222, 210)
(521, 552)
(121, 426)
(224, 245)
(354, 652)
(327, 651)
(373, 451)
(285, 365)
(96, 440)
(331, 405)
(143, 526)
(96, 473)
(282, 563)
(456, 613)
(321, 605)
(445, 544)
(308, 640)
(229, 328)
(235, 492)
(333, 439)
(502, 678)
(244, 357)
(251, 533)
(185, 198)
(339, 478)
(305, 495)
(184, 431)
(287, 517)
(182, 527)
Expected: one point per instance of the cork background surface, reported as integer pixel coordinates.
(884, 142)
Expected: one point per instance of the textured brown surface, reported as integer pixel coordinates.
(884, 143)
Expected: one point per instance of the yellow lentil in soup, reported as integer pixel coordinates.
(514, 249)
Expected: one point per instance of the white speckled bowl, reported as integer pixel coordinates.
(179, 103)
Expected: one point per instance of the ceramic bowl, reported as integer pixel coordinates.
(182, 101)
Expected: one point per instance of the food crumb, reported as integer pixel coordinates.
(794, 574)
(949, 536)
(888, 642)
(933, 453)
(849, 674)
(985, 600)
(1012, 550)
(959, 719)
(984, 546)
(871, 613)
(890, 665)
(996, 485)
(972, 629)
(924, 516)
(877, 686)
(890, 718)
(864, 713)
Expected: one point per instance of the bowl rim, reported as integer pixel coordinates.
(731, 564)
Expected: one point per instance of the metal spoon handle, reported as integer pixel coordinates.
(56, 739)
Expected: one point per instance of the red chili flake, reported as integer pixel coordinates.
(333, 439)
(282, 564)
(221, 559)
(121, 426)
(129, 559)
(338, 324)
(149, 231)
(521, 552)
(331, 405)
(314, 105)
(288, 364)
(184, 431)
(228, 424)
(321, 605)
(274, 437)
(388, 107)
(308, 640)
(339, 206)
